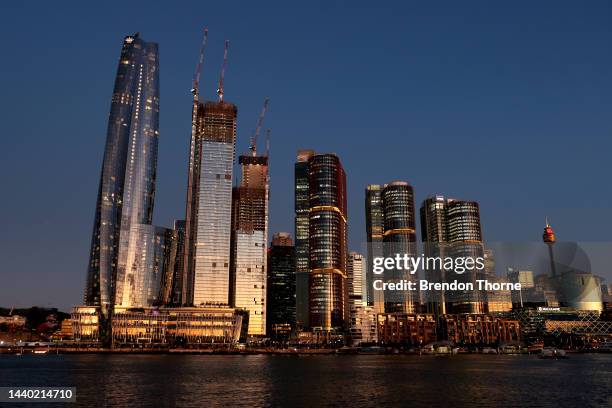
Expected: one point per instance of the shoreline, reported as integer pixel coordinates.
(64, 351)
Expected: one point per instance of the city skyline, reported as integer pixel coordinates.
(281, 221)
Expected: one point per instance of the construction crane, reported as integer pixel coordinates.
(220, 88)
(196, 76)
(253, 144)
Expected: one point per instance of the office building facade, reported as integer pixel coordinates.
(281, 286)
(302, 259)
(356, 279)
(399, 237)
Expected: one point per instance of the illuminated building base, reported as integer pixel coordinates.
(166, 327)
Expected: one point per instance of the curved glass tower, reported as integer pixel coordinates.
(399, 237)
(127, 182)
(452, 228)
(328, 303)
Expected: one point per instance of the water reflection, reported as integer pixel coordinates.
(261, 380)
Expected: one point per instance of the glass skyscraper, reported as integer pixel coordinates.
(281, 285)
(301, 236)
(399, 237)
(148, 267)
(452, 228)
(434, 237)
(327, 249)
(209, 204)
(124, 208)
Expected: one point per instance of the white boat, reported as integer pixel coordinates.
(552, 353)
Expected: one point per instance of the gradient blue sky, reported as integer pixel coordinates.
(507, 104)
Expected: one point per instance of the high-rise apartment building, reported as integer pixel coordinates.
(327, 244)
(302, 260)
(249, 241)
(124, 209)
(281, 286)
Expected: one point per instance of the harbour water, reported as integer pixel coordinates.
(584, 380)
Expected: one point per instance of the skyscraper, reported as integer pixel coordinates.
(327, 244)
(301, 236)
(209, 200)
(434, 238)
(374, 233)
(356, 279)
(124, 209)
(399, 237)
(452, 228)
(249, 241)
(149, 267)
(281, 285)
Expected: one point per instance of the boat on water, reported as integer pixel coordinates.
(605, 347)
(553, 353)
(371, 350)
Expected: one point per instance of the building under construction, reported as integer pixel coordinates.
(250, 236)
(209, 196)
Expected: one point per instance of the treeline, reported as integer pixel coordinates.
(35, 316)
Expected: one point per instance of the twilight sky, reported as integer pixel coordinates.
(507, 104)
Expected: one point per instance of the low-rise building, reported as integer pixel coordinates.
(363, 325)
(184, 326)
(13, 322)
(479, 329)
(406, 328)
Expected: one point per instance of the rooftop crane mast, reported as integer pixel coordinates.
(253, 144)
(220, 88)
(196, 76)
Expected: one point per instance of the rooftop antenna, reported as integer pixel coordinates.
(253, 144)
(196, 76)
(220, 88)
